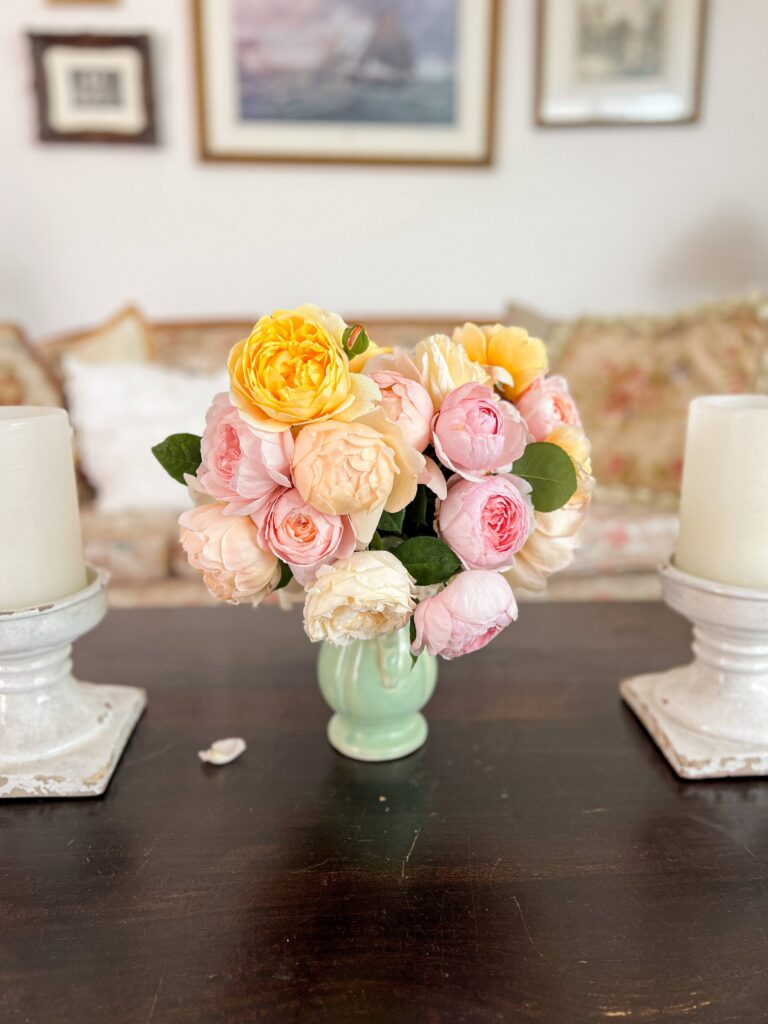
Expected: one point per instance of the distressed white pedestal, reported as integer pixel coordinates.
(58, 737)
(710, 718)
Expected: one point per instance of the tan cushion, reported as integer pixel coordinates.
(134, 548)
(633, 380)
(125, 338)
(204, 346)
(24, 377)
(198, 347)
(536, 323)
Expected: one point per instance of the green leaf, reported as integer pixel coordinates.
(355, 340)
(377, 544)
(550, 472)
(285, 575)
(414, 657)
(418, 506)
(179, 454)
(391, 522)
(428, 560)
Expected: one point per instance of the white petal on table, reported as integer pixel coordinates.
(222, 751)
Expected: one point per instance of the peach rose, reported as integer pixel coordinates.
(406, 403)
(303, 537)
(242, 466)
(225, 550)
(465, 616)
(293, 369)
(546, 405)
(552, 544)
(511, 350)
(357, 469)
(575, 443)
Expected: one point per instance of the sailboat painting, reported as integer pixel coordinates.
(350, 61)
(381, 80)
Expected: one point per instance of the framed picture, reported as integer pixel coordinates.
(619, 62)
(349, 81)
(93, 88)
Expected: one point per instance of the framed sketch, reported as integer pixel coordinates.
(619, 62)
(349, 81)
(93, 88)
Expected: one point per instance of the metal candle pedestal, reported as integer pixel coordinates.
(710, 718)
(58, 737)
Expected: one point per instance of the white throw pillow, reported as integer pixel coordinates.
(119, 411)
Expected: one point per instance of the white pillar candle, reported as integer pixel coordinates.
(724, 501)
(41, 547)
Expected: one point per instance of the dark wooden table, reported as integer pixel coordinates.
(536, 861)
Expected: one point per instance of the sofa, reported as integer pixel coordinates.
(632, 377)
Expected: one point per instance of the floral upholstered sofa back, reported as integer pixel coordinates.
(634, 379)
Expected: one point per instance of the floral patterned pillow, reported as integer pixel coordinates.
(633, 380)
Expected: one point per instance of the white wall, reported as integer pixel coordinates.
(566, 220)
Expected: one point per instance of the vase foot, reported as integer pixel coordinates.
(382, 740)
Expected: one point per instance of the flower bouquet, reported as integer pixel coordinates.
(403, 496)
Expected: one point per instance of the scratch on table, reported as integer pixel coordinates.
(723, 831)
(472, 884)
(154, 1001)
(145, 858)
(416, 835)
(493, 869)
(152, 756)
(535, 948)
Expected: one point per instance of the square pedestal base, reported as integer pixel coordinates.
(693, 755)
(84, 769)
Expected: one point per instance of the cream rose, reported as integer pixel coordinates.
(358, 598)
(552, 545)
(443, 366)
(225, 550)
(356, 469)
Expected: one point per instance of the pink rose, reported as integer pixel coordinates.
(304, 537)
(467, 615)
(475, 433)
(486, 523)
(546, 405)
(242, 466)
(225, 549)
(406, 403)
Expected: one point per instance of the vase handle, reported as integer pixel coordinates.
(389, 659)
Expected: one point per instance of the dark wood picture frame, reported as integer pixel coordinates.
(539, 87)
(41, 42)
(207, 154)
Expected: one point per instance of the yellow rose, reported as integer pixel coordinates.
(443, 366)
(357, 469)
(510, 349)
(292, 369)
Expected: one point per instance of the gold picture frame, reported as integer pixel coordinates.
(225, 135)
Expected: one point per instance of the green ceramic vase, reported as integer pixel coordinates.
(377, 694)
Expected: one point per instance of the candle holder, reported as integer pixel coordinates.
(710, 718)
(58, 737)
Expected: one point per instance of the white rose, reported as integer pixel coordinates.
(444, 365)
(358, 598)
